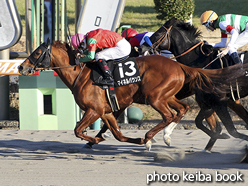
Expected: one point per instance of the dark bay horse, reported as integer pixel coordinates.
(184, 41)
(162, 79)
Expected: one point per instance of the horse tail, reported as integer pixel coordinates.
(216, 80)
(197, 78)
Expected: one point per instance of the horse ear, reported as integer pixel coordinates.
(173, 20)
(170, 22)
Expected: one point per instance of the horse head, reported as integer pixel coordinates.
(175, 36)
(40, 58)
(160, 40)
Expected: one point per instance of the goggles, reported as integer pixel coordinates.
(208, 23)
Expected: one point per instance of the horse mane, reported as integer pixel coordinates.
(63, 45)
(67, 48)
(192, 32)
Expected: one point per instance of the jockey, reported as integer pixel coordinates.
(136, 40)
(129, 33)
(235, 25)
(112, 44)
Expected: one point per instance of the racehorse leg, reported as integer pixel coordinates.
(239, 110)
(226, 119)
(99, 135)
(163, 107)
(90, 116)
(214, 126)
(112, 124)
(177, 106)
(105, 127)
(214, 135)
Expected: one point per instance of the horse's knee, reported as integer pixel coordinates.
(78, 133)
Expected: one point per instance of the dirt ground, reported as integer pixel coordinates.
(148, 112)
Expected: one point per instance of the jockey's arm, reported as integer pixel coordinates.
(90, 52)
(147, 40)
(134, 42)
(90, 55)
(222, 43)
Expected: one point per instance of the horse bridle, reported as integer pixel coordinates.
(156, 44)
(44, 59)
(42, 63)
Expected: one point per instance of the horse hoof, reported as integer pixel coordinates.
(224, 136)
(87, 146)
(167, 140)
(148, 145)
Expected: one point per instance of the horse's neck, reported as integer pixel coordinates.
(193, 58)
(68, 73)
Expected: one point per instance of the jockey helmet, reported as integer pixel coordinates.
(208, 16)
(76, 40)
(129, 33)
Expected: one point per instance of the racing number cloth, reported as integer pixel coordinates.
(126, 73)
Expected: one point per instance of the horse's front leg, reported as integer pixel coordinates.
(89, 117)
(215, 126)
(213, 134)
(105, 128)
(239, 110)
(112, 124)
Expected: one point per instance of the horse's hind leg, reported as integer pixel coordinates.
(112, 124)
(163, 107)
(178, 106)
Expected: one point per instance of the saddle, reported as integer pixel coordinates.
(125, 72)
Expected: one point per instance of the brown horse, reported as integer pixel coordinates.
(162, 79)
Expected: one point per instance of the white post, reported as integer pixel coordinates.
(4, 90)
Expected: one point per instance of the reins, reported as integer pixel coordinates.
(54, 68)
(190, 49)
(162, 38)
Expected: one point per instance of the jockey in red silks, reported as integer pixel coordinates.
(112, 44)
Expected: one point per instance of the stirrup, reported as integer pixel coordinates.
(101, 81)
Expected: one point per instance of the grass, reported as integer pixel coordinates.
(140, 14)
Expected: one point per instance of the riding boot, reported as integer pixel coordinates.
(235, 58)
(108, 78)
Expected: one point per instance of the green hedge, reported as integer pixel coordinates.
(180, 9)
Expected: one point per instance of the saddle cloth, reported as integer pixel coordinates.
(124, 72)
